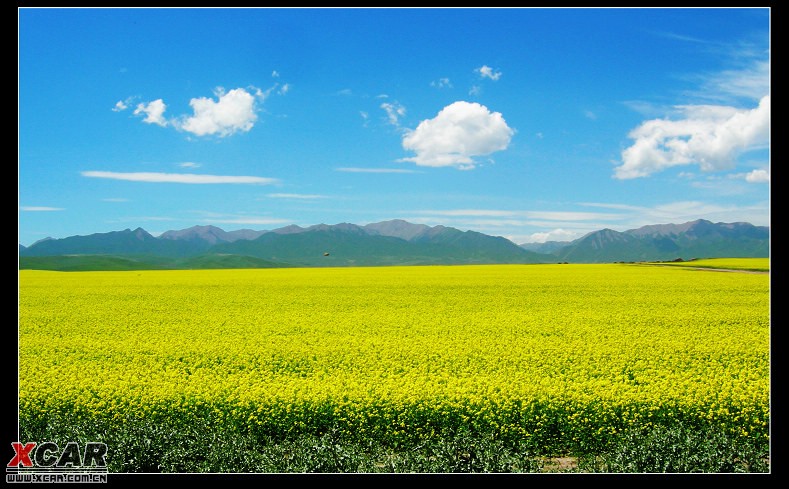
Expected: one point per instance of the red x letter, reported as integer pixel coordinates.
(22, 456)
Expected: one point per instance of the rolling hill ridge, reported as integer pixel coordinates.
(394, 242)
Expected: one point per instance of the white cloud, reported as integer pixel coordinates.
(590, 115)
(475, 90)
(548, 215)
(684, 211)
(189, 164)
(646, 109)
(275, 74)
(467, 212)
(34, 208)
(393, 112)
(679, 212)
(178, 177)
(621, 207)
(460, 131)
(247, 220)
(758, 176)
(681, 37)
(571, 216)
(232, 112)
(441, 83)
(732, 184)
(297, 196)
(122, 105)
(486, 71)
(374, 170)
(554, 235)
(154, 112)
(750, 82)
(711, 136)
(258, 92)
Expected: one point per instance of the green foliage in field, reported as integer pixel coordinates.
(536, 359)
(83, 263)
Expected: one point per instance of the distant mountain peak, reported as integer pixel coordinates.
(293, 228)
(693, 239)
(396, 228)
(142, 233)
(208, 233)
(42, 240)
(400, 242)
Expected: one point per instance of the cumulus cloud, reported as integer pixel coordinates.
(460, 131)
(230, 113)
(393, 112)
(177, 177)
(154, 112)
(486, 71)
(711, 136)
(758, 176)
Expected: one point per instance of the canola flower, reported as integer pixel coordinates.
(560, 355)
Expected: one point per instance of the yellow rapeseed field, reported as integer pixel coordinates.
(561, 354)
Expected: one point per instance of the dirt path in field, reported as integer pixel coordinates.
(734, 270)
(560, 464)
(726, 270)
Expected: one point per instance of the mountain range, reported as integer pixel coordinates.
(394, 242)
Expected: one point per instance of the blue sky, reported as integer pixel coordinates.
(532, 123)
